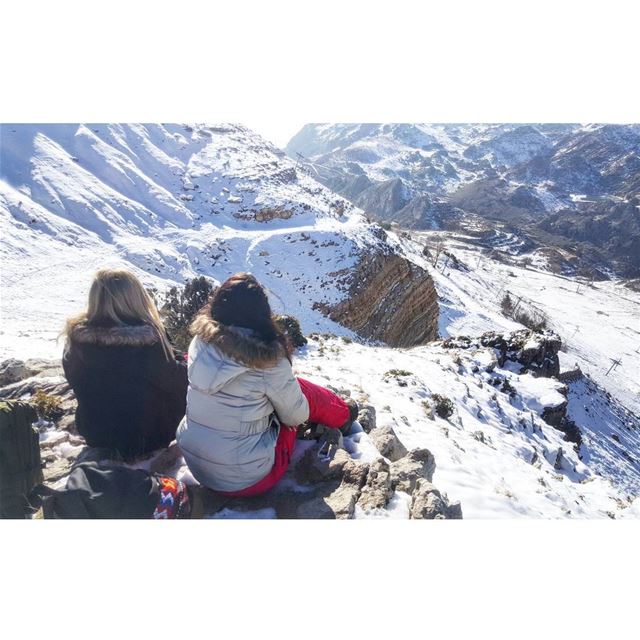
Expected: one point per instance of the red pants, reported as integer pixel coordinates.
(325, 407)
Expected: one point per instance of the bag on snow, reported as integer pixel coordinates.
(95, 490)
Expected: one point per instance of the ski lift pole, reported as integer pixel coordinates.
(615, 363)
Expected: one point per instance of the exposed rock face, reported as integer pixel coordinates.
(13, 370)
(539, 355)
(377, 491)
(405, 473)
(367, 418)
(555, 416)
(339, 481)
(428, 503)
(388, 443)
(266, 214)
(390, 299)
(537, 352)
(40, 375)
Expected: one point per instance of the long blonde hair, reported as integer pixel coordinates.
(118, 297)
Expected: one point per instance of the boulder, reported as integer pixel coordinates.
(312, 469)
(42, 367)
(11, 371)
(388, 443)
(367, 418)
(68, 423)
(355, 473)
(427, 503)
(57, 469)
(377, 490)
(537, 352)
(14, 370)
(555, 416)
(339, 504)
(53, 385)
(405, 473)
(338, 481)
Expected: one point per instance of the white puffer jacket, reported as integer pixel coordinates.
(236, 384)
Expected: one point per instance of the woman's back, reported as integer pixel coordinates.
(121, 366)
(130, 396)
(236, 383)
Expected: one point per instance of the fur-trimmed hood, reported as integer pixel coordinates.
(142, 335)
(238, 343)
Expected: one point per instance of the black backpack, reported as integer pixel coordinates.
(105, 490)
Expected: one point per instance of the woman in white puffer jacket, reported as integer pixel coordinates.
(244, 403)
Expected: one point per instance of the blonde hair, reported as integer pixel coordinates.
(117, 296)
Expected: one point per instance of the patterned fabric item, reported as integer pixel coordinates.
(173, 501)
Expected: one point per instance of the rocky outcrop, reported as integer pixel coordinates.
(388, 443)
(427, 503)
(537, 352)
(338, 482)
(378, 488)
(30, 376)
(417, 464)
(13, 370)
(367, 418)
(272, 213)
(265, 215)
(341, 485)
(389, 299)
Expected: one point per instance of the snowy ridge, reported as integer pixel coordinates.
(431, 158)
(170, 202)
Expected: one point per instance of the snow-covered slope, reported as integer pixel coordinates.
(495, 453)
(598, 322)
(170, 202)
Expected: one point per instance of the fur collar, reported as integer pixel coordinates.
(237, 343)
(115, 336)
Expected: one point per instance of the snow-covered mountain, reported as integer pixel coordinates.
(174, 201)
(569, 186)
(428, 158)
